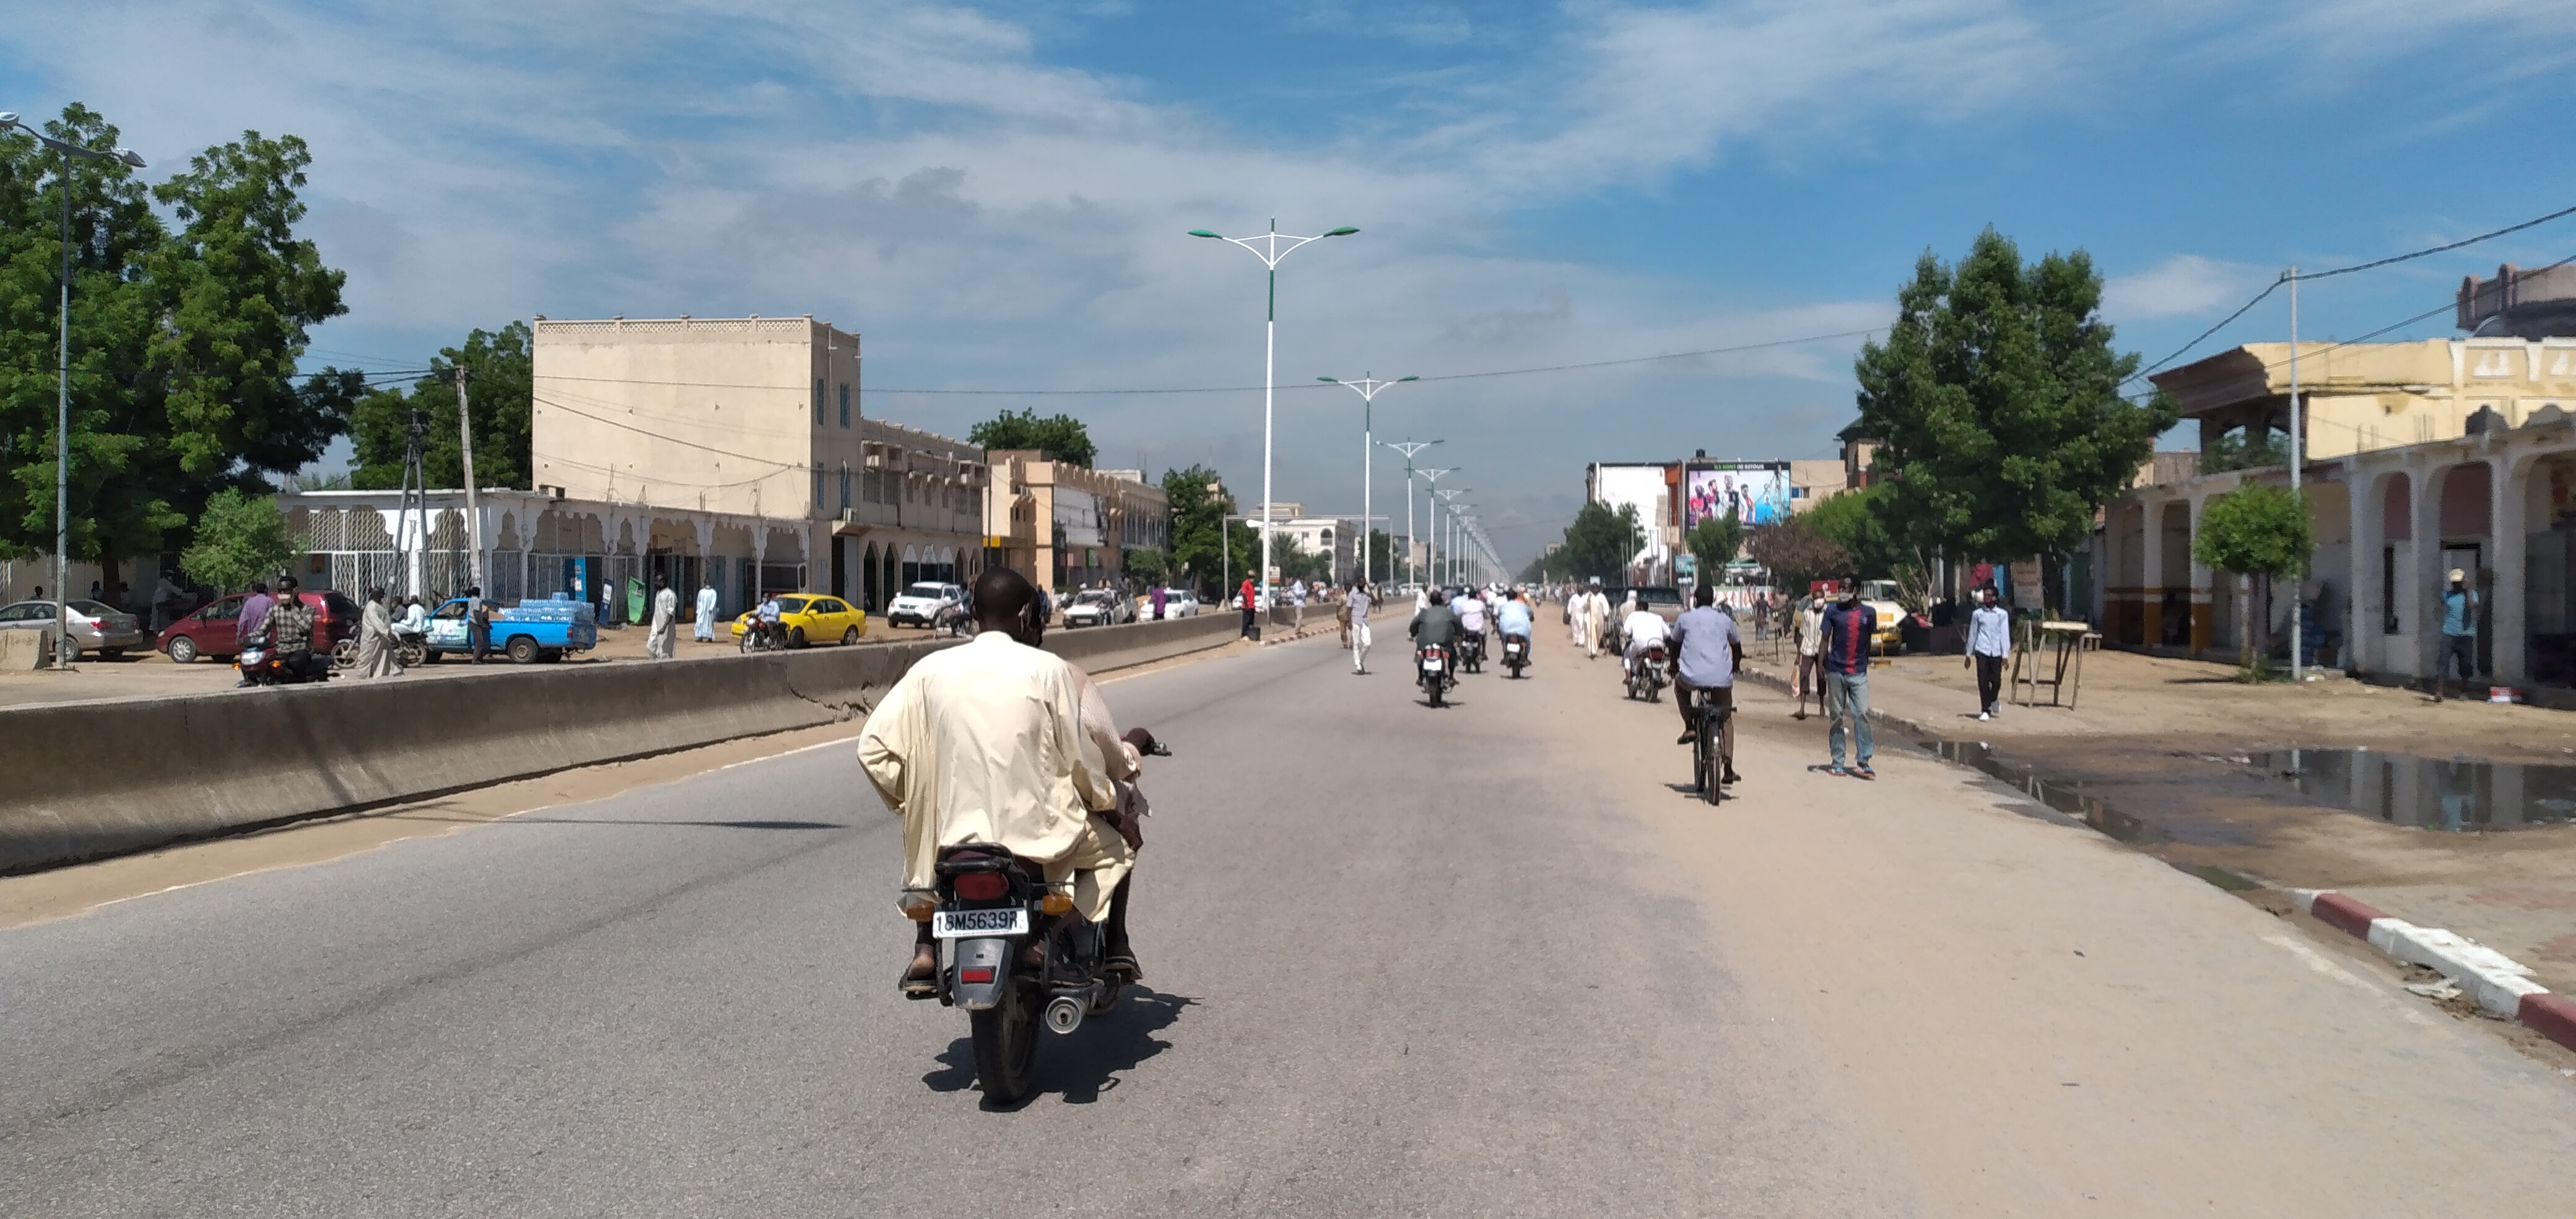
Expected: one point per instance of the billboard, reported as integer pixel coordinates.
(1757, 490)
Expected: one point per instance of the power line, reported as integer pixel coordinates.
(2439, 249)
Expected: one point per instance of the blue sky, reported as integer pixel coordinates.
(994, 196)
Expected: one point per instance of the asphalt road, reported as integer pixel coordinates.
(1480, 960)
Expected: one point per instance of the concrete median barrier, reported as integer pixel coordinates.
(91, 780)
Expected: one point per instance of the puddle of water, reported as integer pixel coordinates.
(2451, 794)
(2068, 798)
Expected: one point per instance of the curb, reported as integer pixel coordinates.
(2502, 988)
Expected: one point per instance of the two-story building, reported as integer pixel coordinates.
(1068, 525)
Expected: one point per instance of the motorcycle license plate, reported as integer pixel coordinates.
(1431, 663)
(978, 924)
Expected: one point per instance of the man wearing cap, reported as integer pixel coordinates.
(2459, 634)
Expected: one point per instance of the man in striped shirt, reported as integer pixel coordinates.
(1850, 624)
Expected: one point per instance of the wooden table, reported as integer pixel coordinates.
(2065, 667)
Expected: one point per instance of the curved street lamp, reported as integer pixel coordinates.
(63, 384)
(1367, 388)
(1269, 248)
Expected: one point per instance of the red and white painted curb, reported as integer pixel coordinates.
(2502, 987)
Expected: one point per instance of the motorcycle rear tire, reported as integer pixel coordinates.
(1436, 694)
(1006, 1045)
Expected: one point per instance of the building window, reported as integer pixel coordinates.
(818, 489)
(845, 404)
(818, 403)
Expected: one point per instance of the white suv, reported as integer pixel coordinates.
(923, 603)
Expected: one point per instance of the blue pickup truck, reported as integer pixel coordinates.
(529, 631)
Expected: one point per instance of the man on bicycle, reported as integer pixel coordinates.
(1707, 654)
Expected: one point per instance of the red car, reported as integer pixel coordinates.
(209, 631)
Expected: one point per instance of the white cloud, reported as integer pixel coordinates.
(2180, 286)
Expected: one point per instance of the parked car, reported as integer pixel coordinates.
(209, 631)
(1098, 607)
(922, 604)
(811, 616)
(528, 632)
(95, 626)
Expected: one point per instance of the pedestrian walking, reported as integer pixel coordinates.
(1989, 644)
(2459, 634)
(1161, 601)
(1849, 626)
(1355, 627)
(1809, 631)
(666, 611)
(1246, 593)
(478, 624)
(376, 638)
(706, 627)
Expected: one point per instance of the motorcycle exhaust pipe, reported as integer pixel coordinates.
(1064, 1014)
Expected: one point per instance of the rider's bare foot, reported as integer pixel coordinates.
(923, 974)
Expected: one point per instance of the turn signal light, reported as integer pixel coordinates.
(981, 886)
(974, 975)
(917, 905)
(1056, 901)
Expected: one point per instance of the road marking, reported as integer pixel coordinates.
(2321, 963)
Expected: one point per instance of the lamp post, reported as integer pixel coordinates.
(1408, 448)
(1431, 550)
(1367, 388)
(63, 385)
(1449, 496)
(1269, 250)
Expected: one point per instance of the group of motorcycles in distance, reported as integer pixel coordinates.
(1437, 667)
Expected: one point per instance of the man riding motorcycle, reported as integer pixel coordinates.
(290, 634)
(1513, 619)
(1641, 629)
(995, 741)
(1434, 625)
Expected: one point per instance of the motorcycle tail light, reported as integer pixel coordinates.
(1056, 901)
(982, 886)
(975, 975)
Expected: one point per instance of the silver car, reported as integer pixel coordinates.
(96, 626)
(1098, 607)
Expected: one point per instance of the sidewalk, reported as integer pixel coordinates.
(2170, 755)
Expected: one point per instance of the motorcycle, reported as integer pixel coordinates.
(411, 646)
(1471, 651)
(1516, 653)
(1646, 674)
(1433, 672)
(759, 636)
(991, 905)
(261, 665)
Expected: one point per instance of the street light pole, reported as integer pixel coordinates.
(1431, 551)
(2296, 461)
(63, 386)
(1408, 448)
(1267, 249)
(1367, 387)
(1449, 496)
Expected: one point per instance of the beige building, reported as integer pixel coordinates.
(2364, 396)
(1069, 526)
(754, 420)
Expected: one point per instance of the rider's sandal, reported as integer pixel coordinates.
(1124, 963)
(920, 986)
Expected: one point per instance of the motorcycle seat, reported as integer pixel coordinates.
(976, 857)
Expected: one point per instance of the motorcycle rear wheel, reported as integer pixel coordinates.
(1006, 1045)
(1436, 694)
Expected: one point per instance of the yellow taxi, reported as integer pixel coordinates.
(807, 618)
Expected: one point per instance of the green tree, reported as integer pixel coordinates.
(1381, 556)
(1200, 503)
(1147, 566)
(185, 341)
(1600, 542)
(1857, 522)
(2260, 532)
(1996, 400)
(240, 538)
(1060, 437)
(500, 384)
(2246, 449)
(1715, 542)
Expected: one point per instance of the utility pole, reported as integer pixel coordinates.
(412, 520)
(473, 503)
(2297, 454)
(1430, 504)
(1408, 448)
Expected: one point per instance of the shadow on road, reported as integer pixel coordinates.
(1086, 1064)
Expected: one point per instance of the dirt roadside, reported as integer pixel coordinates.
(62, 892)
(2169, 755)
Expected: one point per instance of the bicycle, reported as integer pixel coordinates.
(1709, 759)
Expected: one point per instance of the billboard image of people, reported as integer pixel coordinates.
(1757, 491)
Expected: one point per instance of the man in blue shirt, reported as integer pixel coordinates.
(1707, 654)
(1850, 625)
(2459, 634)
(1989, 644)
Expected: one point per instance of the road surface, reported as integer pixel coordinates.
(1473, 961)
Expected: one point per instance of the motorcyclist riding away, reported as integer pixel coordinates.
(1643, 628)
(1471, 612)
(1514, 618)
(1435, 625)
(997, 741)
